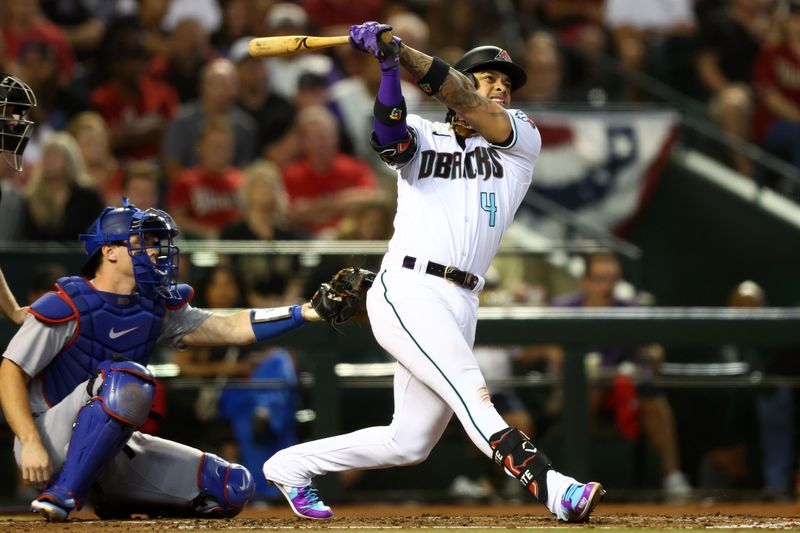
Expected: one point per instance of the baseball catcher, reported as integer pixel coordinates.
(76, 387)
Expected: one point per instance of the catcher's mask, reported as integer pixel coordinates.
(489, 58)
(156, 273)
(16, 101)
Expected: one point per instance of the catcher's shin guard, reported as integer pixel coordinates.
(516, 454)
(225, 488)
(101, 429)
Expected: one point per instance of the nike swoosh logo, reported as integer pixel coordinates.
(117, 334)
(441, 134)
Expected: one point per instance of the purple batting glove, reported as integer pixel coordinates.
(366, 37)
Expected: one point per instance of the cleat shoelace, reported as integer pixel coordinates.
(311, 496)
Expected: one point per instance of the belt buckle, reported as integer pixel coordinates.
(447, 271)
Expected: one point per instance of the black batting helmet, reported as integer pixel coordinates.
(492, 58)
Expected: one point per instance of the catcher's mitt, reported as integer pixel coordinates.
(342, 298)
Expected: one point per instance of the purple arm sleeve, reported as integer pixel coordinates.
(390, 95)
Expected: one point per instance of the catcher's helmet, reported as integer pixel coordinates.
(155, 229)
(16, 101)
(492, 58)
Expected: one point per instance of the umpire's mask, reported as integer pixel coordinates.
(16, 101)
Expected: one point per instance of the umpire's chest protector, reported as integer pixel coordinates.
(107, 325)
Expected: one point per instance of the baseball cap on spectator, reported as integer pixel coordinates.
(287, 15)
(311, 80)
(239, 50)
(207, 12)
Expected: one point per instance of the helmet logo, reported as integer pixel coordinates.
(503, 56)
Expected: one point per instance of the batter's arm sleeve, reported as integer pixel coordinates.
(458, 93)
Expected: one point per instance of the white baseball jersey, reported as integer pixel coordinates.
(456, 202)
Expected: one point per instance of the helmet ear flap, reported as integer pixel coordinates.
(472, 78)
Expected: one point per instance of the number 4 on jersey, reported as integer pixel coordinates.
(488, 204)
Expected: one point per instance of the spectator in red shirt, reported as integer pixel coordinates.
(204, 198)
(777, 81)
(23, 23)
(136, 107)
(325, 183)
(333, 15)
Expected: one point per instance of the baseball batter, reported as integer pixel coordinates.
(459, 185)
(76, 386)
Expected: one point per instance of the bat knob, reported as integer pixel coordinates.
(386, 36)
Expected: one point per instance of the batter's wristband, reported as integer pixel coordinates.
(432, 81)
(391, 115)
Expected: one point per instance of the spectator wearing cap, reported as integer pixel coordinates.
(219, 87)
(23, 23)
(188, 50)
(207, 13)
(286, 18)
(273, 113)
(135, 106)
(777, 82)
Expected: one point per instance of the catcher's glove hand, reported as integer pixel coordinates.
(340, 300)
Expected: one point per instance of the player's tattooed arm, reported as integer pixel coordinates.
(457, 92)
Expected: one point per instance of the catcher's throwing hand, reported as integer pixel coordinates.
(343, 297)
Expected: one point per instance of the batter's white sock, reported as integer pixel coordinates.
(557, 484)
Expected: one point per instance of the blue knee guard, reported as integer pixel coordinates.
(102, 428)
(229, 487)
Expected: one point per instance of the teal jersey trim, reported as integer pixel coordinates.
(386, 297)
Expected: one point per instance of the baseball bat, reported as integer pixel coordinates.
(284, 45)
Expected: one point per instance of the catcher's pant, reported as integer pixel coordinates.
(428, 325)
(150, 470)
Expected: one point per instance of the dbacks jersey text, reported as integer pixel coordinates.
(454, 202)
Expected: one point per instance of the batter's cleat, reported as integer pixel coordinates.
(305, 502)
(579, 501)
(54, 504)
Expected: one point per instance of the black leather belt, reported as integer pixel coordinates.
(451, 274)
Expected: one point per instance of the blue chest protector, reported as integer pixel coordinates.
(107, 325)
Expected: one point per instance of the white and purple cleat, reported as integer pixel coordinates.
(579, 501)
(305, 502)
